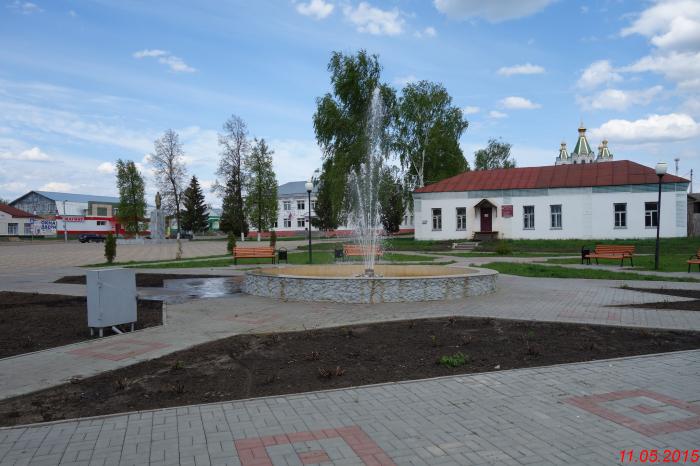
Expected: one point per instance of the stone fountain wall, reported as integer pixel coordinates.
(371, 290)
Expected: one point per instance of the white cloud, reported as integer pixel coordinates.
(318, 9)
(497, 115)
(599, 72)
(527, 68)
(176, 64)
(57, 186)
(669, 24)
(427, 32)
(14, 187)
(33, 154)
(26, 8)
(654, 128)
(372, 20)
(681, 67)
(617, 99)
(295, 159)
(404, 80)
(106, 168)
(493, 10)
(519, 103)
(470, 110)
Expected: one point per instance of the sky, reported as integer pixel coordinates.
(84, 83)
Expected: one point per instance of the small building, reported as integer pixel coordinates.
(694, 214)
(616, 199)
(76, 213)
(16, 222)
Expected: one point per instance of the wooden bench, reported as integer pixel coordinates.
(356, 250)
(253, 253)
(694, 260)
(612, 251)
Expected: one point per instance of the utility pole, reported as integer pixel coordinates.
(65, 231)
(676, 160)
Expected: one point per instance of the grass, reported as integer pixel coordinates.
(296, 258)
(683, 246)
(133, 263)
(667, 262)
(553, 271)
(396, 243)
(456, 360)
(514, 254)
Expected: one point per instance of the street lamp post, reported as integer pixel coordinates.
(660, 172)
(65, 230)
(309, 187)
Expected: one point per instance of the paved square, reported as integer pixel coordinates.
(118, 350)
(357, 446)
(656, 415)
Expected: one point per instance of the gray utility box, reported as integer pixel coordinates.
(111, 297)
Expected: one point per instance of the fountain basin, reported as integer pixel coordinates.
(391, 283)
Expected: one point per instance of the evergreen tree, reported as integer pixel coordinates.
(194, 215)
(132, 196)
(233, 218)
(234, 148)
(261, 200)
(110, 248)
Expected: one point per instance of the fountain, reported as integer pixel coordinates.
(369, 282)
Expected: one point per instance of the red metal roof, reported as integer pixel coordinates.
(621, 172)
(15, 212)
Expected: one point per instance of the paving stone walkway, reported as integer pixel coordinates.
(574, 414)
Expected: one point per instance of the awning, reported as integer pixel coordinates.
(484, 203)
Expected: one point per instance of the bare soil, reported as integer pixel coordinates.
(31, 321)
(690, 305)
(246, 366)
(142, 279)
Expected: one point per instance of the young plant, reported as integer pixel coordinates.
(455, 360)
(230, 243)
(110, 248)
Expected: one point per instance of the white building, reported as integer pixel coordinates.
(582, 151)
(616, 199)
(16, 222)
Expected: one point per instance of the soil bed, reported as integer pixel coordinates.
(31, 321)
(142, 279)
(690, 305)
(246, 366)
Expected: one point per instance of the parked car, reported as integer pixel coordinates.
(91, 237)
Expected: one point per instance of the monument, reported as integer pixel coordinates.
(157, 225)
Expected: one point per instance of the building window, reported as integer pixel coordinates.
(461, 218)
(555, 212)
(301, 223)
(621, 215)
(27, 228)
(313, 205)
(287, 223)
(651, 215)
(411, 220)
(529, 217)
(437, 219)
(301, 205)
(12, 228)
(287, 205)
(102, 211)
(101, 223)
(274, 225)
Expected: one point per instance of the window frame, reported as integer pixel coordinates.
(461, 218)
(287, 223)
(619, 216)
(301, 222)
(528, 225)
(13, 226)
(651, 216)
(301, 203)
(556, 215)
(436, 215)
(286, 205)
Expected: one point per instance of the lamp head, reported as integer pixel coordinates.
(309, 186)
(661, 168)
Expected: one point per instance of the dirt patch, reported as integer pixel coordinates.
(690, 305)
(142, 279)
(272, 364)
(31, 321)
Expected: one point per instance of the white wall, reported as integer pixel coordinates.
(585, 214)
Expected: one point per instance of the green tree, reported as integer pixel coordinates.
(428, 128)
(194, 215)
(230, 242)
(132, 196)
(168, 165)
(326, 217)
(235, 146)
(391, 201)
(261, 200)
(340, 124)
(110, 248)
(495, 155)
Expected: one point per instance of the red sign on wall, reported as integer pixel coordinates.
(507, 211)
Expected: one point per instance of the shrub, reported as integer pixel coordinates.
(110, 248)
(231, 243)
(503, 249)
(456, 360)
(273, 238)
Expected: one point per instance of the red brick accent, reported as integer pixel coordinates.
(593, 404)
(252, 452)
(119, 349)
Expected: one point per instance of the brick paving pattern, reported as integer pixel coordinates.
(568, 414)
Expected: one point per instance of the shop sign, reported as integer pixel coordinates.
(507, 211)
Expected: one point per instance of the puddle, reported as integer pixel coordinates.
(181, 290)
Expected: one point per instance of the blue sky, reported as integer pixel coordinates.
(83, 83)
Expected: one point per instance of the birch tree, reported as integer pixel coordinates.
(170, 173)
